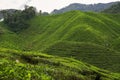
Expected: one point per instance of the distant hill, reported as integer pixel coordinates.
(113, 9)
(83, 7)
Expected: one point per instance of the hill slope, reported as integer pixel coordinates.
(8, 39)
(98, 32)
(75, 26)
(33, 66)
(91, 53)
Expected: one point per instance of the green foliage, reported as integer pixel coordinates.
(91, 37)
(18, 20)
(45, 13)
(28, 13)
(99, 29)
(73, 26)
(1, 31)
(47, 68)
(88, 52)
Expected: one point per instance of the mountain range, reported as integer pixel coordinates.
(84, 7)
(113, 9)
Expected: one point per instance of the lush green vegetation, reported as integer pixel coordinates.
(88, 52)
(75, 26)
(37, 66)
(17, 21)
(93, 38)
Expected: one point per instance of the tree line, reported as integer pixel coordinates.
(17, 20)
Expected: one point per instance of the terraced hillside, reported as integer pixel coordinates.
(91, 53)
(8, 39)
(72, 26)
(90, 37)
(20, 65)
(75, 26)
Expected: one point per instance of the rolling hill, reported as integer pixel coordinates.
(86, 36)
(76, 26)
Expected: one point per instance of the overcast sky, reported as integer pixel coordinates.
(46, 5)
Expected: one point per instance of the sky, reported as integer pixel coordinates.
(46, 5)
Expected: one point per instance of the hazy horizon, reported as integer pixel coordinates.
(46, 5)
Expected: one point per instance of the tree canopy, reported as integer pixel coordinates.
(17, 21)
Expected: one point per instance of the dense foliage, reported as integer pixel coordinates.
(17, 21)
(17, 65)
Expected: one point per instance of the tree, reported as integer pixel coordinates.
(45, 13)
(29, 12)
(18, 20)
